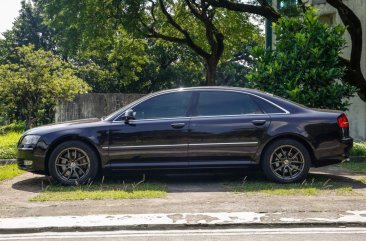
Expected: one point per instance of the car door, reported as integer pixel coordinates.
(156, 137)
(225, 129)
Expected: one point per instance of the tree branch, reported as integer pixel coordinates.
(264, 9)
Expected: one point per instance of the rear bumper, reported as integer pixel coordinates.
(333, 152)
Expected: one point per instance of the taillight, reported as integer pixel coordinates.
(343, 121)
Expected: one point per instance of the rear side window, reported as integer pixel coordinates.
(211, 103)
(164, 106)
(268, 107)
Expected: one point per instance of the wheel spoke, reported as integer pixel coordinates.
(295, 167)
(80, 158)
(61, 164)
(64, 172)
(83, 173)
(290, 170)
(288, 153)
(278, 168)
(72, 171)
(63, 158)
(77, 175)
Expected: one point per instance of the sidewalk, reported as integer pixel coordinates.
(161, 221)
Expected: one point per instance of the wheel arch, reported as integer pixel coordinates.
(292, 136)
(65, 138)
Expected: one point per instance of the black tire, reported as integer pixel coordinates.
(280, 163)
(68, 166)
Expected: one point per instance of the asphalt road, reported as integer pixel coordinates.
(283, 234)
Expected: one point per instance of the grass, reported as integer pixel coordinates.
(100, 191)
(8, 145)
(354, 166)
(358, 149)
(309, 187)
(9, 171)
(363, 180)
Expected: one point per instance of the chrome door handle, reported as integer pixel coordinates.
(177, 125)
(258, 122)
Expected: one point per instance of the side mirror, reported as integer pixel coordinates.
(129, 115)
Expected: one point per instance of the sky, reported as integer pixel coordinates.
(9, 10)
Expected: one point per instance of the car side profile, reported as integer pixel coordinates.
(191, 128)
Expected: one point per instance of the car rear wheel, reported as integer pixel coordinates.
(286, 161)
(73, 163)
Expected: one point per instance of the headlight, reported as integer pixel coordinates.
(30, 140)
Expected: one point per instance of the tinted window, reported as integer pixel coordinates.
(268, 107)
(225, 103)
(164, 106)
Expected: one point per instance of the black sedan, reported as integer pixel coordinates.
(191, 128)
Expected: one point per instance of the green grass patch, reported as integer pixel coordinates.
(354, 166)
(358, 149)
(9, 171)
(309, 187)
(8, 145)
(363, 180)
(101, 191)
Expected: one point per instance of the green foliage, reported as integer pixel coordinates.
(305, 66)
(108, 42)
(28, 28)
(13, 127)
(358, 149)
(30, 89)
(8, 145)
(9, 171)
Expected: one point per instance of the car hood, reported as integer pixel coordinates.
(62, 126)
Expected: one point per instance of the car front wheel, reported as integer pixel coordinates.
(286, 161)
(73, 163)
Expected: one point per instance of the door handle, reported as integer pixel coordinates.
(259, 122)
(177, 125)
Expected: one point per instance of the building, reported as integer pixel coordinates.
(328, 14)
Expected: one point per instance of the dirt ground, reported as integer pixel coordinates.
(187, 193)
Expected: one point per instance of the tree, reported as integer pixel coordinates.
(304, 66)
(30, 89)
(28, 28)
(201, 28)
(353, 74)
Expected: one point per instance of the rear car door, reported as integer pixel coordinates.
(225, 129)
(157, 137)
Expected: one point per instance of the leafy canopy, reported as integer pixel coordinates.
(305, 66)
(30, 89)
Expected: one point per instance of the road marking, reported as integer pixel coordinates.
(181, 233)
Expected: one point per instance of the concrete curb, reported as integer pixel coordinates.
(173, 221)
(7, 161)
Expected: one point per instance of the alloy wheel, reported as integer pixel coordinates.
(287, 162)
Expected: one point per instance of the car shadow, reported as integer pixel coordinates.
(198, 181)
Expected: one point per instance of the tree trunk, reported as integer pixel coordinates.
(211, 68)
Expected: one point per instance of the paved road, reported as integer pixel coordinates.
(283, 234)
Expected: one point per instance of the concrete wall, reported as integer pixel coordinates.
(357, 111)
(92, 105)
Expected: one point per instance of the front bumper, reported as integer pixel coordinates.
(31, 160)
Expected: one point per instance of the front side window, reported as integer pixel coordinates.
(211, 103)
(164, 106)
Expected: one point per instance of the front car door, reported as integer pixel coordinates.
(226, 128)
(157, 137)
